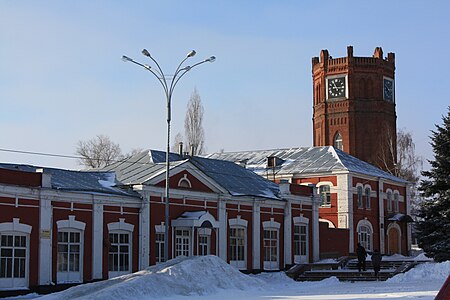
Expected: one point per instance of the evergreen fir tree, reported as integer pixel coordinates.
(434, 224)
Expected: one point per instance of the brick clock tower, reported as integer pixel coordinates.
(354, 105)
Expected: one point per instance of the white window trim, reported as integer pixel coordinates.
(389, 203)
(330, 184)
(72, 225)
(240, 223)
(15, 226)
(122, 227)
(184, 179)
(359, 185)
(366, 223)
(301, 220)
(11, 228)
(367, 186)
(272, 224)
(396, 206)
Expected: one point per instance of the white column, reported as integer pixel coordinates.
(256, 236)
(315, 225)
(381, 215)
(288, 233)
(45, 241)
(408, 212)
(345, 206)
(222, 213)
(97, 240)
(144, 233)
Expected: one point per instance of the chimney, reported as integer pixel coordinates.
(46, 178)
(192, 150)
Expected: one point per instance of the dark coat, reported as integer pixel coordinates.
(361, 253)
(376, 259)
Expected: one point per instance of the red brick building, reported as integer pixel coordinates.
(370, 203)
(60, 227)
(354, 105)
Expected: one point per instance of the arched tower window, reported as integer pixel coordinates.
(337, 141)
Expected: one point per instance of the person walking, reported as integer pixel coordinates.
(376, 261)
(362, 254)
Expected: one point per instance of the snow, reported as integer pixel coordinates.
(110, 180)
(209, 277)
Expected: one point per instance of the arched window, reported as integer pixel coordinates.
(360, 196)
(325, 195)
(396, 206)
(389, 201)
(338, 141)
(365, 234)
(367, 194)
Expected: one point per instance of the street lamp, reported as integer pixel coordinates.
(168, 85)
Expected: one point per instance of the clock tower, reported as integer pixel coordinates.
(354, 105)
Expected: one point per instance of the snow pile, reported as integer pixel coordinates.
(193, 276)
(424, 272)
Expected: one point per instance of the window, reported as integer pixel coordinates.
(365, 237)
(182, 242)
(389, 201)
(271, 245)
(119, 259)
(367, 192)
(13, 250)
(237, 244)
(203, 244)
(300, 240)
(69, 246)
(325, 195)
(159, 244)
(338, 141)
(396, 206)
(360, 196)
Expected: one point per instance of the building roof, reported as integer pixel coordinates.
(303, 161)
(77, 181)
(238, 181)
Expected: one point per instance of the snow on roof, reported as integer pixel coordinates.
(192, 215)
(237, 180)
(304, 160)
(79, 181)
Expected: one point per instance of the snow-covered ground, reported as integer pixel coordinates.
(208, 277)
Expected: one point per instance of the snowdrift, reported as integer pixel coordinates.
(200, 275)
(424, 272)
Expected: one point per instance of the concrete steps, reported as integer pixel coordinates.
(346, 269)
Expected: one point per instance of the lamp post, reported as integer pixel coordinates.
(168, 85)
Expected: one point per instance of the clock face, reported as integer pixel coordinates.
(336, 87)
(388, 89)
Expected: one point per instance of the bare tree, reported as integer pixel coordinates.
(399, 157)
(193, 124)
(98, 152)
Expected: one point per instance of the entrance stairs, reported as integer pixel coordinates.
(345, 269)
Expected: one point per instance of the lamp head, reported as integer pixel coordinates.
(211, 59)
(191, 54)
(146, 53)
(126, 58)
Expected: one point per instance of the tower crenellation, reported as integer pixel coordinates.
(354, 104)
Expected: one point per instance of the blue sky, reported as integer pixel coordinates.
(62, 78)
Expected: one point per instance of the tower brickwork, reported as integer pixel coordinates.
(354, 105)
